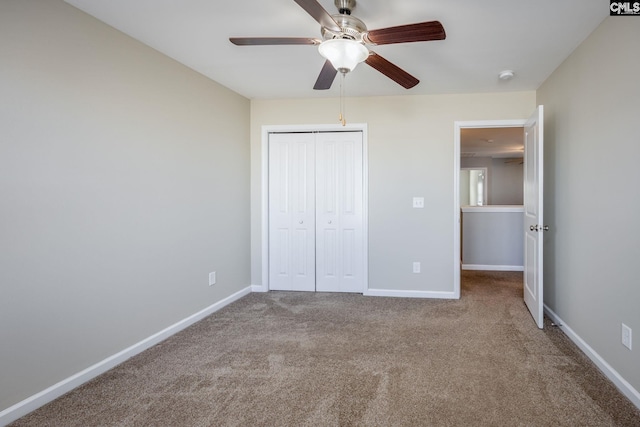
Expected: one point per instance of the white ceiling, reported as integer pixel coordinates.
(531, 37)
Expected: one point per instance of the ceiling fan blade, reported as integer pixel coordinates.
(263, 41)
(326, 77)
(318, 13)
(392, 71)
(421, 32)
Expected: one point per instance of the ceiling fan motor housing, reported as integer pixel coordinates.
(351, 28)
(345, 6)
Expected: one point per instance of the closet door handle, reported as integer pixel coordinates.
(329, 222)
(300, 222)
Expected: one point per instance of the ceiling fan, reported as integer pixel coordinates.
(344, 38)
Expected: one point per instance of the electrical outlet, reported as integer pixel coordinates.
(418, 202)
(212, 278)
(416, 267)
(626, 336)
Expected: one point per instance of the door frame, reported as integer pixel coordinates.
(352, 127)
(458, 126)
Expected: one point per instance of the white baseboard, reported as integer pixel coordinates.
(492, 267)
(259, 288)
(32, 403)
(627, 389)
(409, 294)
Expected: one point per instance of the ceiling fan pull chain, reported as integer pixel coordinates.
(341, 118)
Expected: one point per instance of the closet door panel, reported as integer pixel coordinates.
(339, 212)
(292, 212)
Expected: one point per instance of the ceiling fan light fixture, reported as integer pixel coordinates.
(344, 54)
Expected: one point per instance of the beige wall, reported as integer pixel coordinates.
(592, 106)
(410, 153)
(124, 180)
(507, 182)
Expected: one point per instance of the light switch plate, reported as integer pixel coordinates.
(626, 336)
(418, 202)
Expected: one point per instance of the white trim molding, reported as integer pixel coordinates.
(493, 267)
(623, 385)
(34, 402)
(410, 294)
(494, 209)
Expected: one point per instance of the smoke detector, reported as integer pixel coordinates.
(506, 75)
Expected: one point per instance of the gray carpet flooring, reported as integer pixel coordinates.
(318, 359)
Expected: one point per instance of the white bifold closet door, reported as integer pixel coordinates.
(292, 232)
(316, 212)
(339, 234)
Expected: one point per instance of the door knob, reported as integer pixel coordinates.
(329, 222)
(539, 227)
(301, 222)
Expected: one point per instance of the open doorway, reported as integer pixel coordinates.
(492, 232)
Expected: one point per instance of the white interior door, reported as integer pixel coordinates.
(339, 216)
(533, 215)
(292, 212)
